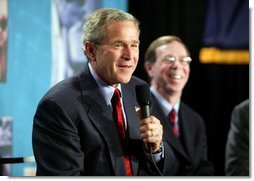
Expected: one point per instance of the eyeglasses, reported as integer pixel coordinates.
(171, 59)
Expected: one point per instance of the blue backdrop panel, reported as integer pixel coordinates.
(29, 68)
(120, 4)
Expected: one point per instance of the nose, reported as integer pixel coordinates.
(176, 63)
(127, 53)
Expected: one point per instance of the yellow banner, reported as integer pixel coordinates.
(218, 56)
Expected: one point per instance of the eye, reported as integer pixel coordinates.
(170, 59)
(135, 45)
(186, 59)
(118, 45)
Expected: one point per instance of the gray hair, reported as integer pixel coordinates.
(150, 55)
(95, 25)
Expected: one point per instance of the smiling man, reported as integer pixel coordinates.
(167, 62)
(87, 124)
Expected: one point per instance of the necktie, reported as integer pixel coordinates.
(117, 108)
(172, 120)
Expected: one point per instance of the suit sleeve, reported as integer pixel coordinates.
(169, 161)
(55, 141)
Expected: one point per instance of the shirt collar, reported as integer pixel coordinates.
(165, 105)
(106, 90)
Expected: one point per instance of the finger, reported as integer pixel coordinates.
(146, 127)
(152, 139)
(150, 120)
(151, 134)
(147, 134)
(150, 126)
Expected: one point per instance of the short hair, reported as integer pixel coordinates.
(150, 55)
(95, 24)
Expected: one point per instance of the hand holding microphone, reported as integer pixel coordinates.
(150, 128)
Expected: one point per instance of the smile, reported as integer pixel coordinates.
(176, 76)
(125, 66)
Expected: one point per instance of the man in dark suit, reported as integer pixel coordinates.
(237, 147)
(78, 130)
(167, 64)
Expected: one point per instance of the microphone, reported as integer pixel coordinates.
(143, 95)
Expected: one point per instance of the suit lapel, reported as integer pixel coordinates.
(167, 129)
(101, 116)
(186, 129)
(133, 124)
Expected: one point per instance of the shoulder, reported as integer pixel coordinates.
(62, 99)
(129, 89)
(63, 90)
(187, 112)
(240, 114)
(134, 81)
(73, 85)
(242, 107)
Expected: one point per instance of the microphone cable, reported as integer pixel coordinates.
(154, 163)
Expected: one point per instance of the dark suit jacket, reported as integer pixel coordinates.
(191, 151)
(74, 132)
(237, 146)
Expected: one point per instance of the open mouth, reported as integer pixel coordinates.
(176, 76)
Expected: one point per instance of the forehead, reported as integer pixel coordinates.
(173, 48)
(122, 29)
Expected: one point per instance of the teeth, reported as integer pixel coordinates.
(174, 76)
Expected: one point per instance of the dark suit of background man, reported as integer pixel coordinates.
(237, 147)
(74, 131)
(167, 63)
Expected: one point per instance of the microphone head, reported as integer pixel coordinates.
(143, 94)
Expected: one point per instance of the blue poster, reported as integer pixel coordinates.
(67, 20)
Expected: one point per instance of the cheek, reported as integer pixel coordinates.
(108, 60)
(158, 68)
(135, 59)
(163, 71)
(186, 76)
(159, 73)
(187, 72)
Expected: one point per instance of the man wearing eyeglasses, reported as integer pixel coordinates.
(167, 62)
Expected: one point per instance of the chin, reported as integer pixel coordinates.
(124, 80)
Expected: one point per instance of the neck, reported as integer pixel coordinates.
(171, 96)
(95, 68)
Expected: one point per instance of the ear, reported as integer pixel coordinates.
(149, 69)
(90, 50)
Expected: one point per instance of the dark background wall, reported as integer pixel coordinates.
(213, 89)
